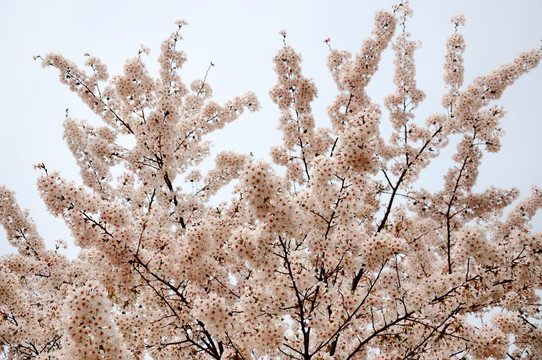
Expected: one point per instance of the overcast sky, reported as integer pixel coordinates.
(240, 37)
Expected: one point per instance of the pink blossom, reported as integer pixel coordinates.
(330, 251)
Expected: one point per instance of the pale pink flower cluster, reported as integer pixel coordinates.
(360, 141)
(90, 330)
(453, 65)
(377, 249)
(407, 96)
(352, 75)
(294, 93)
(342, 257)
(20, 230)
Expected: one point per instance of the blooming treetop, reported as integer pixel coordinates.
(341, 257)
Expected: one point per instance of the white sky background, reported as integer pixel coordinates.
(241, 37)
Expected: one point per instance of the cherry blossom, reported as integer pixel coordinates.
(329, 250)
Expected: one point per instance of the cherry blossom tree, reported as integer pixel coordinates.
(330, 251)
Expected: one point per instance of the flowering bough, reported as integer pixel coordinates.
(342, 257)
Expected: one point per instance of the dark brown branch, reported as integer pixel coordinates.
(401, 178)
(378, 332)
